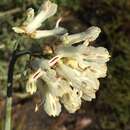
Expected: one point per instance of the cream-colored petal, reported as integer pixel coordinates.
(31, 86)
(96, 54)
(89, 56)
(47, 33)
(88, 97)
(56, 86)
(96, 70)
(71, 75)
(30, 15)
(18, 30)
(72, 101)
(59, 87)
(48, 10)
(92, 33)
(90, 83)
(89, 35)
(52, 105)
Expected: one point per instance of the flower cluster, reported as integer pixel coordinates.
(73, 72)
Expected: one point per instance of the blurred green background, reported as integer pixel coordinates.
(111, 109)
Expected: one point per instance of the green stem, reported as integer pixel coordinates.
(8, 109)
(8, 120)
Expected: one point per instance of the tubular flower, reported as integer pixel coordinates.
(87, 58)
(32, 23)
(52, 105)
(88, 36)
(31, 84)
(72, 100)
(87, 85)
(54, 87)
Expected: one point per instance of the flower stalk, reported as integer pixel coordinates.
(8, 108)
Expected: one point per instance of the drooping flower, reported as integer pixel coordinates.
(52, 105)
(79, 81)
(87, 57)
(88, 36)
(31, 84)
(72, 100)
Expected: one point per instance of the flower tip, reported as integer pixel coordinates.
(18, 30)
(50, 7)
(36, 108)
(95, 29)
(30, 11)
(94, 32)
(52, 105)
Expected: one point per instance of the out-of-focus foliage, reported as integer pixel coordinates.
(74, 4)
(112, 106)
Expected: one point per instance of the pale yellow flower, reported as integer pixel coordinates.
(32, 24)
(47, 33)
(87, 84)
(89, 59)
(72, 100)
(52, 105)
(89, 35)
(31, 84)
(48, 9)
